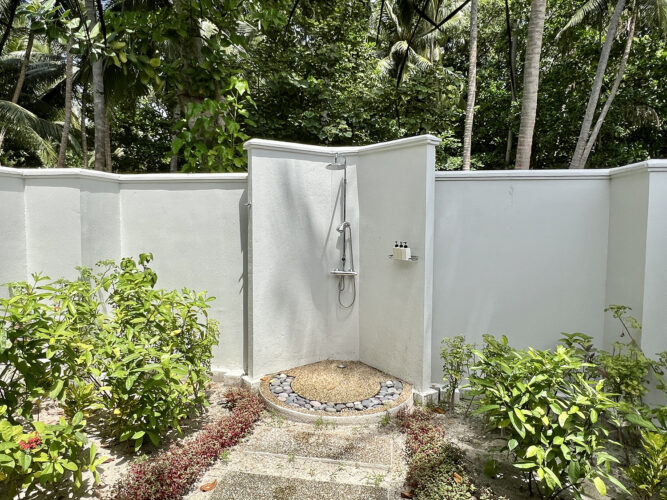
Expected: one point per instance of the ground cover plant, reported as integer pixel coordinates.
(170, 473)
(436, 468)
(109, 346)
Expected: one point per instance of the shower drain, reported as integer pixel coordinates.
(281, 387)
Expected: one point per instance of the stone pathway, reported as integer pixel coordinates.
(283, 460)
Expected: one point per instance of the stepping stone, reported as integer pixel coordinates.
(247, 486)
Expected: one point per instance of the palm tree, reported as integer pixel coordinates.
(587, 138)
(472, 86)
(21, 80)
(409, 43)
(99, 111)
(531, 80)
(612, 92)
(594, 96)
(68, 103)
(511, 60)
(8, 8)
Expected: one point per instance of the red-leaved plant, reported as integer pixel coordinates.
(170, 473)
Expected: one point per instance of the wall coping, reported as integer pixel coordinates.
(659, 165)
(80, 173)
(294, 147)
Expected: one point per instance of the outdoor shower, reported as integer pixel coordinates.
(345, 230)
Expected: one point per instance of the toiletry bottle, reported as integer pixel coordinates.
(401, 250)
(406, 251)
(396, 251)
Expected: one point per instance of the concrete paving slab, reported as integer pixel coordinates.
(248, 486)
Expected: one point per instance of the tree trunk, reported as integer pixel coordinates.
(68, 104)
(531, 81)
(19, 82)
(173, 164)
(99, 117)
(597, 86)
(107, 143)
(84, 135)
(612, 93)
(10, 22)
(472, 86)
(512, 69)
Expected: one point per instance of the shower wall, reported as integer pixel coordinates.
(294, 317)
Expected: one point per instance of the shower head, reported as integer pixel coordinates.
(342, 227)
(337, 163)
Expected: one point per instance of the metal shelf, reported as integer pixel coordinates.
(414, 258)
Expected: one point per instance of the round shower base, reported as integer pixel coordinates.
(335, 391)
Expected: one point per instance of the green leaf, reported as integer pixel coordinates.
(573, 471)
(57, 389)
(519, 414)
(511, 444)
(562, 418)
(600, 486)
(525, 465)
(70, 465)
(138, 434)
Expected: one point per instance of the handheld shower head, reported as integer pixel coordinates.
(342, 227)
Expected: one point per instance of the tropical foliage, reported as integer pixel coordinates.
(162, 85)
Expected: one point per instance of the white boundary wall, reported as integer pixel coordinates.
(53, 220)
(526, 254)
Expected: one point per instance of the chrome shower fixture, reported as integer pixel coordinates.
(345, 270)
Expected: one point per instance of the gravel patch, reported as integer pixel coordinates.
(340, 388)
(324, 381)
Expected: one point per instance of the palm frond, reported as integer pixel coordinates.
(419, 61)
(584, 11)
(15, 117)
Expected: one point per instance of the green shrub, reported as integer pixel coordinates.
(107, 341)
(456, 356)
(649, 475)
(153, 353)
(553, 415)
(46, 454)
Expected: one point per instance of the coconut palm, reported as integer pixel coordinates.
(99, 110)
(472, 86)
(68, 103)
(655, 10)
(414, 29)
(531, 79)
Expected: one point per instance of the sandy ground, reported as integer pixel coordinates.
(324, 381)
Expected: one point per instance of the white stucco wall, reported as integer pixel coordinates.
(195, 225)
(654, 312)
(294, 314)
(526, 254)
(396, 199)
(520, 254)
(626, 260)
(12, 229)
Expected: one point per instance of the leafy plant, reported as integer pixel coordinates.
(47, 454)
(152, 349)
(456, 356)
(169, 474)
(435, 467)
(211, 135)
(153, 352)
(649, 475)
(554, 416)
